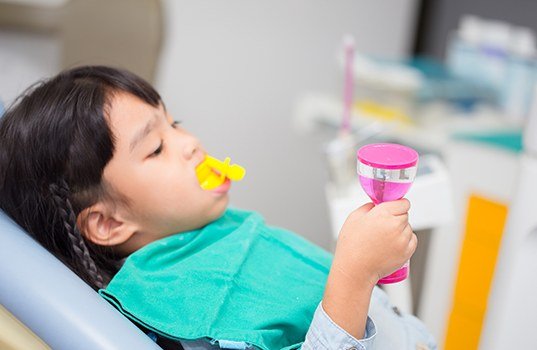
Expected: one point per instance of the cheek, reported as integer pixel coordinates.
(157, 187)
(179, 192)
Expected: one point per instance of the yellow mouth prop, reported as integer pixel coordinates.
(212, 172)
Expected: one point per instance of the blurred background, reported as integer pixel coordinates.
(290, 90)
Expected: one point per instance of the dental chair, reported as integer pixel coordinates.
(54, 303)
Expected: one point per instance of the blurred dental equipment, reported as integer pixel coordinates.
(348, 91)
(499, 56)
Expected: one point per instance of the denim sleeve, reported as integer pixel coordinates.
(326, 334)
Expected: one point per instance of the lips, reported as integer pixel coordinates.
(223, 188)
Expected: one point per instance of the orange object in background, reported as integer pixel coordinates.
(483, 234)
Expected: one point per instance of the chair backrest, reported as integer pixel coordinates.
(55, 303)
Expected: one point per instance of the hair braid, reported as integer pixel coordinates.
(60, 195)
(59, 129)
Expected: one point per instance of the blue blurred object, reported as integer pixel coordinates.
(441, 84)
(2, 110)
(438, 83)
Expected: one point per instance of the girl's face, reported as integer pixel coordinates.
(154, 168)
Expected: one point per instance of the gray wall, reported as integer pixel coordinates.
(232, 70)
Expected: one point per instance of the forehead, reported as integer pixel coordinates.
(126, 109)
(127, 114)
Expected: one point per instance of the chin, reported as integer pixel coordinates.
(216, 209)
(221, 209)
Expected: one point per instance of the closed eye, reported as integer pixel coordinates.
(158, 150)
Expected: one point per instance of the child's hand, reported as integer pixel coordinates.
(375, 241)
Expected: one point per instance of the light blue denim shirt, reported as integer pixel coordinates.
(386, 329)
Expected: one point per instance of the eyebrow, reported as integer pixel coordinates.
(139, 136)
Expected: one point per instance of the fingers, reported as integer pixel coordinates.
(365, 208)
(413, 240)
(402, 220)
(399, 207)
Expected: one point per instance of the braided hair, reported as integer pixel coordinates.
(54, 145)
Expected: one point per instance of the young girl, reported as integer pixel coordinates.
(97, 171)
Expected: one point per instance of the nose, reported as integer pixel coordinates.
(192, 148)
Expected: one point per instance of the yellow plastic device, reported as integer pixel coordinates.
(212, 172)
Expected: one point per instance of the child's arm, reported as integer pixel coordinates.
(373, 242)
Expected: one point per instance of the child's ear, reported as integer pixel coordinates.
(102, 227)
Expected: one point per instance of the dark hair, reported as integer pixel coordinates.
(54, 145)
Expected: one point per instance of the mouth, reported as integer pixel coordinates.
(215, 175)
(223, 188)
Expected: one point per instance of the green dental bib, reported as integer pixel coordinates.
(236, 279)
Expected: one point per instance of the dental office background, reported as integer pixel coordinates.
(262, 81)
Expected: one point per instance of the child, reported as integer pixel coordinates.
(97, 171)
